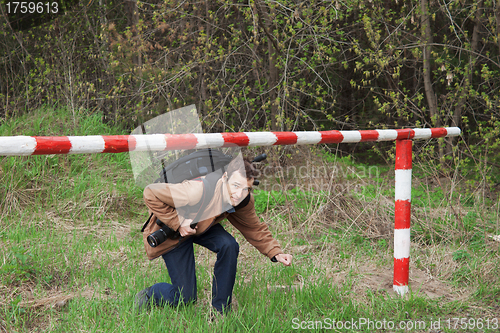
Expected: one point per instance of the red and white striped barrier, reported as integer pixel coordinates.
(45, 145)
(402, 215)
(41, 145)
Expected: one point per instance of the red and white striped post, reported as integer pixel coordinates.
(402, 215)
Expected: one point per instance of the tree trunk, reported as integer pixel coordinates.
(203, 75)
(497, 18)
(427, 40)
(457, 116)
(273, 82)
(472, 60)
(107, 82)
(429, 90)
(133, 20)
(267, 13)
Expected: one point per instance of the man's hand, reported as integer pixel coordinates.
(285, 259)
(185, 228)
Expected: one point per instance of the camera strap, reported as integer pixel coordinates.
(147, 222)
(206, 189)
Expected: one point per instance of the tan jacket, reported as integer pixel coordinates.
(159, 199)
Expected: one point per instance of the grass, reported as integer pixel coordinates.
(72, 259)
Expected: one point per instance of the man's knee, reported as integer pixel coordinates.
(167, 294)
(230, 245)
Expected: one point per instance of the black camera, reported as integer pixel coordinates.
(159, 236)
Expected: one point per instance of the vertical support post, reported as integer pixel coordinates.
(402, 216)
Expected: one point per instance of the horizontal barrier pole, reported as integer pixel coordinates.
(46, 145)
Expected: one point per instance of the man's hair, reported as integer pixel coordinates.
(243, 165)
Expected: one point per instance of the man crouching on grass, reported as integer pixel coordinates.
(232, 193)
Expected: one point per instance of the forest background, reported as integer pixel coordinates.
(264, 65)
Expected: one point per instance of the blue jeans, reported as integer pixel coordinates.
(181, 268)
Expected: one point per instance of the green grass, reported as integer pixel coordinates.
(70, 227)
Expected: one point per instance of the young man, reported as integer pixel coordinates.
(232, 200)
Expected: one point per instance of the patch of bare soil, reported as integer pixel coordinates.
(367, 276)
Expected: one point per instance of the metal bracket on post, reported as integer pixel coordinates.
(402, 216)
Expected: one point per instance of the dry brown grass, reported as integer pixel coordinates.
(54, 298)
